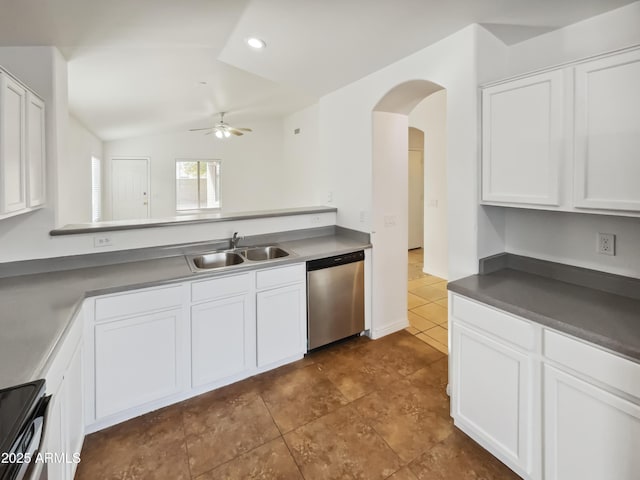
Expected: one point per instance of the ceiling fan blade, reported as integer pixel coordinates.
(234, 131)
(209, 133)
(244, 129)
(199, 129)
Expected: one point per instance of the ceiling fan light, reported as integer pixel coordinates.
(226, 134)
(219, 134)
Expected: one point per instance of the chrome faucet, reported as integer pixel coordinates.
(235, 240)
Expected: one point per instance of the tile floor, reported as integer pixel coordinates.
(427, 304)
(362, 409)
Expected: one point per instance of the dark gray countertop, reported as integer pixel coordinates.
(37, 308)
(603, 318)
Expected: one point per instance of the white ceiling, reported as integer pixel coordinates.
(135, 67)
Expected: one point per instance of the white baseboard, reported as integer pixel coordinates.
(393, 327)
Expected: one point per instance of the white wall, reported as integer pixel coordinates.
(389, 260)
(254, 173)
(302, 165)
(570, 237)
(346, 141)
(44, 70)
(603, 33)
(346, 145)
(430, 116)
(75, 198)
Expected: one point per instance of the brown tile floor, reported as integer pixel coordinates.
(362, 409)
(427, 304)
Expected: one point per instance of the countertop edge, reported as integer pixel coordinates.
(599, 340)
(80, 229)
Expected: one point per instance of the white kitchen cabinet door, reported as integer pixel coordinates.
(523, 140)
(74, 410)
(222, 339)
(137, 361)
(281, 324)
(492, 394)
(64, 429)
(35, 152)
(12, 145)
(589, 433)
(607, 133)
(54, 440)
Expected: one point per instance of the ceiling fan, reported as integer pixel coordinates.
(222, 129)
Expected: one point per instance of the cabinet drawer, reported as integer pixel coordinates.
(220, 287)
(137, 302)
(275, 277)
(499, 324)
(605, 367)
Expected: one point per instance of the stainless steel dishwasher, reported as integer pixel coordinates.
(335, 298)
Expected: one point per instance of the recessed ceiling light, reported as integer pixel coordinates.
(256, 43)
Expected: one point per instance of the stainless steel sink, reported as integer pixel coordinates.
(264, 253)
(230, 258)
(210, 261)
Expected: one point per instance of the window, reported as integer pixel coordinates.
(96, 190)
(197, 184)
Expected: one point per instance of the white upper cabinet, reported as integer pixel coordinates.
(22, 148)
(12, 145)
(565, 139)
(522, 140)
(607, 133)
(35, 151)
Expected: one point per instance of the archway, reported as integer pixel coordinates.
(390, 123)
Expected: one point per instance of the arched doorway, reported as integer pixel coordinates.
(390, 123)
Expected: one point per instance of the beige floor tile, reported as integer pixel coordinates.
(440, 285)
(418, 322)
(414, 271)
(432, 342)
(421, 282)
(443, 302)
(412, 330)
(433, 312)
(430, 293)
(439, 334)
(414, 301)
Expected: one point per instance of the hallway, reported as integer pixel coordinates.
(427, 304)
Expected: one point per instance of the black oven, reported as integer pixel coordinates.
(23, 410)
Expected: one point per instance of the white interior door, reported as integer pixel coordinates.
(130, 188)
(416, 199)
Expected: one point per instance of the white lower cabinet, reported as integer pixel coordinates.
(152, 347)
(590, 433)
(137, 361)
(281, 321)
(549, 406)
(492, 395)
(64, 428)
(221, 339)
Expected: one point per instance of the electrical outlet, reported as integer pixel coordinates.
(389, 220)
(315, 219)
(363, 216)
(102, 241)
(330, 196)
(606, 244)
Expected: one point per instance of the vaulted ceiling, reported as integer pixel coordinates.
(144, 66)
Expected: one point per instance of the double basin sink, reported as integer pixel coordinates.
(228, 258)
